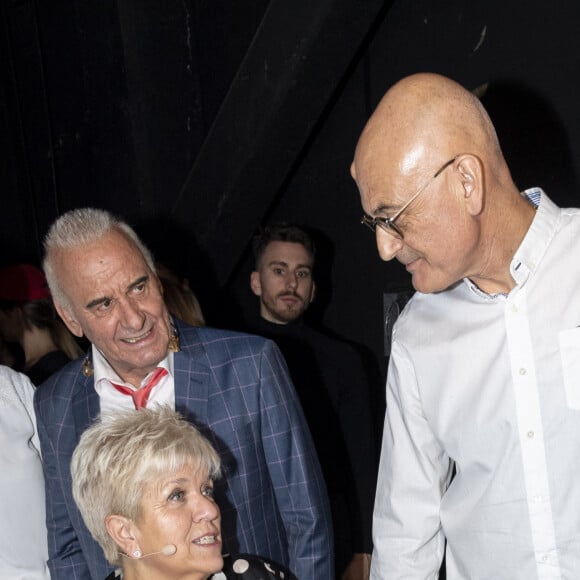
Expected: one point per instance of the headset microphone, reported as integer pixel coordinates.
(168, 550)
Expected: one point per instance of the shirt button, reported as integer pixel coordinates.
(514, 307)
(531, 434)
(523, 371)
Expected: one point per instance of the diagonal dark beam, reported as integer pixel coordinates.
(299, 54)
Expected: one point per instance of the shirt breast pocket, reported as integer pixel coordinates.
(570, 354)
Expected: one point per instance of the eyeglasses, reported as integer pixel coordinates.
(388, 224)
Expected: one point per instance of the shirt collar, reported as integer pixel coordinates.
(534, 244)
(103, 371)
(539, 235)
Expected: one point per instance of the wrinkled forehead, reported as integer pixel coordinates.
(97, 260)
(112, 246)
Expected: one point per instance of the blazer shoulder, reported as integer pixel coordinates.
(60, 383)
(210, 337)
(222, 347)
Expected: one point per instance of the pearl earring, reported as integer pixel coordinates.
(137, 554)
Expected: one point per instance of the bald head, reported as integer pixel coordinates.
(423, 120)
(429, 158)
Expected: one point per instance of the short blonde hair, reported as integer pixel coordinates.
(122, 452)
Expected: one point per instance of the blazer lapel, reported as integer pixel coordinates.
(192, 379)
(85, 401)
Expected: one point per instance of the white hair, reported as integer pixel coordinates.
(78, 228)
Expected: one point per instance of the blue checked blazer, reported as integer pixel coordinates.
(234, 387)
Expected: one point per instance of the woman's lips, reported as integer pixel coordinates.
(207, 540)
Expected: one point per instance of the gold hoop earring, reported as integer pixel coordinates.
(174, 345)
(87, 367)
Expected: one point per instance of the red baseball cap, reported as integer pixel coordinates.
(22, 283)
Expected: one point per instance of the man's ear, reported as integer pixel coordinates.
(312, 292)
(255, 284)
(121, 531)
(470, 171)
(69, 319)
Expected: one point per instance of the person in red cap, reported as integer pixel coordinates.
(28, 319)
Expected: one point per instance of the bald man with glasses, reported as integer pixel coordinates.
(482, 430)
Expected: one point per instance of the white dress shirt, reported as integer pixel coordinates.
(490, 385)
(111, 399)
(23, 539)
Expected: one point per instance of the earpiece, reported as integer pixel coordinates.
(168, 550)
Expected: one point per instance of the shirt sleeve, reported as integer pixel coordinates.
(414, 472)
(23, 543)
(295, 472)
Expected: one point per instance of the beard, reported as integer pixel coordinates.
(283, 312)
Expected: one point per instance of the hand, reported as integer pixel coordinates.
(358, 568)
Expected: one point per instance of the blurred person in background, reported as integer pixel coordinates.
(179, 297)
(332, 385)
(28, 319)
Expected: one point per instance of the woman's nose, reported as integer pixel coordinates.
(207, 510)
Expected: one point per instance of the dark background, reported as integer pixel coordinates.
(199, 120)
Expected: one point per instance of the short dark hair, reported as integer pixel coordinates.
(281, 233)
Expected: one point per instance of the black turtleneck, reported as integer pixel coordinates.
(333, 388)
